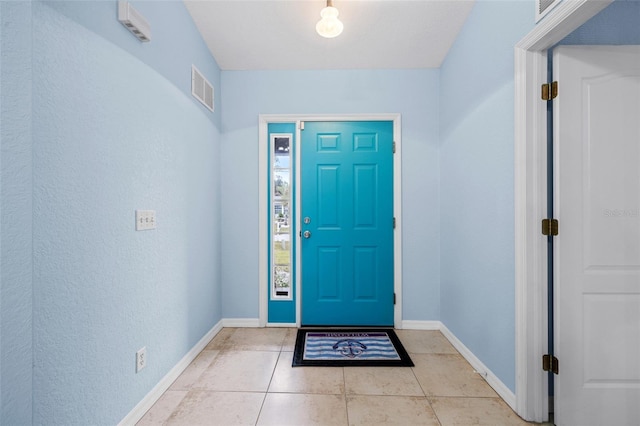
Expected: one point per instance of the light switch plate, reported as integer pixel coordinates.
(145, 220)
(141, 359)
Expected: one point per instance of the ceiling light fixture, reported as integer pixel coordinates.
(329, 26)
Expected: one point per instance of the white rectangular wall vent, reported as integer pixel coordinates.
(134, 21)
(543, 7)
(201, 88)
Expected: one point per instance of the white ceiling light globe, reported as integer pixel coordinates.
(329, 26)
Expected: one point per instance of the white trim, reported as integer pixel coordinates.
(530, 254)
(493, 380)
(421, 325)
(152, 397)
(298, 258)
(270, 214)
(263, 121)
(530, 199)
(397, 213)
(241, 322)
(263, 225)
(282, 325)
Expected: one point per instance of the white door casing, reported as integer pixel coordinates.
(597, 255)
(263, 121)
(530, 184)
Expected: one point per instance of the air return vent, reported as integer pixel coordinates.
(134, 21)
(544, 6)
(201, 88)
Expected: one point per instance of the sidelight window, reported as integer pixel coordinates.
(281, 216)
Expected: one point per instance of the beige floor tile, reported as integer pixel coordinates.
(294, 409)
(256, 339)
(220, 339)
(449, 375)
(247, 371)
(289, 343)
(389, 410)
(162, 409)
(226, 385)
(474, 411)
(193, 372)
(322, 380)
(425, 342)
(217, 408)
(381, 381)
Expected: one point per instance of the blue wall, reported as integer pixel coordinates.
(1, 351)
(16, 264)
(413, 93)
(618, 24)
(112, 128)
(477, 202)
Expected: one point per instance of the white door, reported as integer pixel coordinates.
(597, 263)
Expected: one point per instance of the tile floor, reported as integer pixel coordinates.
(244, 377)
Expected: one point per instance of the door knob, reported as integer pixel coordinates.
(306, 234)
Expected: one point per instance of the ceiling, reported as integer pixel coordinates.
(280, 34)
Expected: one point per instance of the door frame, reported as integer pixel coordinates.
(263, 267)
(530, 200)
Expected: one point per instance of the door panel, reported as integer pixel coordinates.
(347, 196)
(597, 259)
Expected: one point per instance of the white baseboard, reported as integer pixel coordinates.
(493, 381)
(282, 324)
(421, 325)
(147, 402)
(240, 322)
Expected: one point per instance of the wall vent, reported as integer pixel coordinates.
(543, 7)
(201, 88)
(134, 21)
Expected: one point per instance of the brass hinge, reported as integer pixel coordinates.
(549, 91)
(394, 298)
(550, 227)
(394, 223)
(550, 363)
(394, 147)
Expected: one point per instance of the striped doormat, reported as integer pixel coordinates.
(349, 348)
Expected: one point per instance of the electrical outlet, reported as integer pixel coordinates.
(141, 359)
(145, 220)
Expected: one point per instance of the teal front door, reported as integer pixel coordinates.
(347, 223)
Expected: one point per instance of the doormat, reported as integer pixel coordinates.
(349, 348)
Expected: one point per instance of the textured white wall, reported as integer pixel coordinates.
(111, 128)
(477, 210)
(16, 216)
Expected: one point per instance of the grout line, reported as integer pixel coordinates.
(261, 407)
(269, 384)
(344, 395)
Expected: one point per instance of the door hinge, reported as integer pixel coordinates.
(550, 227)
(394, 223)
(394, 298)
(550, 363)
(394, 147)
(302, 125)
(549, 91)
